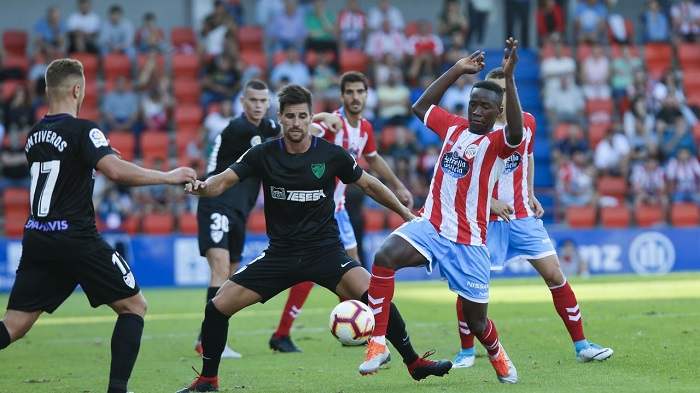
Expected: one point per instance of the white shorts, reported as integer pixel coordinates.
(523, 238)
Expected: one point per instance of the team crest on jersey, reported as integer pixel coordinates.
(278, 193)
(512, 163)
(98, 138)
(470, 152)
(454, 165)
(256, 140)
(318, 169)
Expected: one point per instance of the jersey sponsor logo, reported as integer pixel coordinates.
(98, 138)
(256, 140)
(512, 163)
(46, 136)
(278, 193)
(305, 196)
(318, 169)
(49, 226)
(454, 165)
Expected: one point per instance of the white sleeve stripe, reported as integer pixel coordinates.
(505, 137)
(427, 113)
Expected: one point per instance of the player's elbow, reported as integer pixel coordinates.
(419, 109)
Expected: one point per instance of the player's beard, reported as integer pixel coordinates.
(349, 110)
(296, 138)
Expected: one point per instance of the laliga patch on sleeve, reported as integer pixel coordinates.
(98, 138)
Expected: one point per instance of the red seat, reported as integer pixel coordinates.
(158, 223)
(14, 227)
(615, 187)
(132, 224)
(17, 61)
(187, 91)
(188, 116)
(278, 57)
(185, 136)
(251, 37)
(154, 143)
(615, 216)
(412, 27)
(187, 224)
(91, 64)
(387, 137)
(583, 51)
(375, 219)
(15, 202)
(89, 113)
(394, 220)
(596, 133)
(689, 56)
(255, 58)
(696, 131)
(649, 215)
(256, 221)
(15, 41)
(183, 35)
(92, 95)
(691, 81)
(116, 64)
(616, 50)
(41, 111)
(353, 60)
(600, 110)
(547, 51)
(156, 162)
(125, 142)
(580, 216)
(9, 87)
(657, 59)
(311, 58)
(199, 164)
(185, 65)
(685, 214)
(142, 59)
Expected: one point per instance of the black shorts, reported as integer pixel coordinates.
(43, 284)
(270, 274)
(220, 226)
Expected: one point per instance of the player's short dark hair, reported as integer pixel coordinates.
(116, 8)
(294, 94)
(490, 85)
(256, 84)
(352, 76)
(61, 69)
(496, 73)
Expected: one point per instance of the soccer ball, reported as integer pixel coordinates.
(352, 322)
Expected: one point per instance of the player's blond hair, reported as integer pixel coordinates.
(62, 71)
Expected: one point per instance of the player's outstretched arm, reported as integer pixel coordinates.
(371, 186)
(127, 173)
(433, 94)
(514, 113)
(332, 122)
(380, 166)
(214, 185)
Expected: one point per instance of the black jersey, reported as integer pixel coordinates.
(62, 153)
(239, 136)
(298, 190)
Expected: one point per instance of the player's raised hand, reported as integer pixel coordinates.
(510, 56)
(182, 175)
(334, 123)
(472, 63)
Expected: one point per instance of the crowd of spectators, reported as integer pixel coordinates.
(641, 131)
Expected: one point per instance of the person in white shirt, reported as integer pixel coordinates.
(83, 29)
(612, 154)
(385, 11)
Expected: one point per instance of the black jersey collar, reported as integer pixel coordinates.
(313, 144)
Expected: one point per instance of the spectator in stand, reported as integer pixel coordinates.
(564, 102)
(394, 102)
(152, 75)
(670, 101)
(425, 50)
(36, 79)
(405, 170)
(675, 136)
(642, 86)
(550, 22)
(683, 174)
(117, 35)
(589, 20)
(478, 11)
(576, 181)
(18, 110)
(222, 81)
(321, 29)
(265, 11)
(292, 69)
(156, 107)
(518, 11)
(83, 29)
(553, 69)
(149, 35)
(623, 69)
(426, 165)
(288, 28)
(654, 24)
(386, 41)
(324, 80)
(404, 146)
(572, 264)
(565, 147)
(648, 184)
(235, 9)
(352, 27)
(685, 18)
(638, 125)
(112, 205)
(385, 11)
(595, 74)
(13, 162)
(214, 123)
(218, 33)
(384, 67)
(50, 33)
(458, 93)
(457, 49)
(120, 108)
(451, 21)
(612, 155)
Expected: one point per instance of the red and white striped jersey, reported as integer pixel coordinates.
(356, 140)
(460, 192)
(512, 187)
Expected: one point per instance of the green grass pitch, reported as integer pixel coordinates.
(652, 323)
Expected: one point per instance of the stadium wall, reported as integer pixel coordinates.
(174, 261)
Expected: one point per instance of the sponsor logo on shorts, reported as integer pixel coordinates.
(49, 226)
(477, 285)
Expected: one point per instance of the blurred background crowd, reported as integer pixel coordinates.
(614, 86)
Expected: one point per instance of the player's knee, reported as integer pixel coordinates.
(477, 326)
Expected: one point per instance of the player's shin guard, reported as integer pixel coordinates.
(214, 332)
(466, 337)
(567, 307)
(490, 338)
(380, 293)
(5, 339)
(295, 301)
(126, 342)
